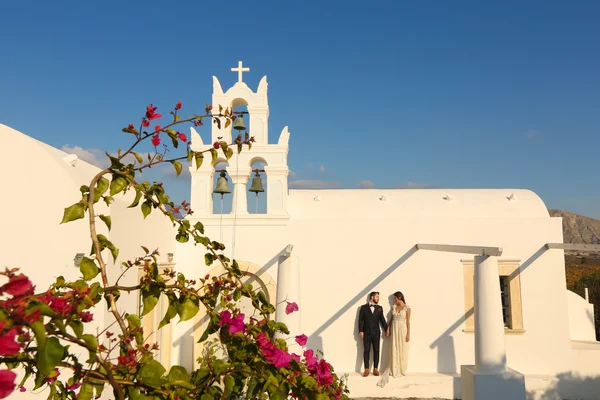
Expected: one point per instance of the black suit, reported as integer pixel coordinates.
(368, 323)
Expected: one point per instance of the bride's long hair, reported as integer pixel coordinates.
(400, 296)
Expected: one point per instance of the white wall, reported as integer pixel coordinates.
(36, 187)
(345, 255)
(581, 318)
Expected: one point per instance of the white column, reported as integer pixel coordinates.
(490, 347)
(288, 288)
(259, 123)
(277, 190)
(201, 191)
(239, 179)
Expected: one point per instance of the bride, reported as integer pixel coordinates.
(399, 328)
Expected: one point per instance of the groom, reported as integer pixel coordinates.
(369, 318)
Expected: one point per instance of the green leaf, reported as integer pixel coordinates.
(177, 166)
(49, 355)
(146, 208)
(39, 330)
(214, 154)
(150, 298)
(199, 157)
(224, 146)
(212, 328)
(86, 392)
(136, 201)
(199, 227)
(240, 146)
(117, 185)
(187, 307)
(134, 321)
(229, 384)
(92, 342)
(88, 268)
(252, 386)
(178, 376)
(102, 186)
(76, 211)
(151, 373)
(138, 157)
(113, 250)
(171, 312)
(106, 219)
(229, 153)
(77, 327)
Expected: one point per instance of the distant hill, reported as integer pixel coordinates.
(577, 228)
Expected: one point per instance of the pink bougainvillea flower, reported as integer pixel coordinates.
(60, 305)
(8, 346)
(145, 123)
(291, 307)
(22, 389)
(155, 140)
(262, 339)
(86, 316)
(32, 317)
(281, 358)
(74, 386)
(178, 105)
(311, 361)
(295, 357)
(198, 122)
(157, 128)
(237, 324)
(324, 373)
(301, 339)
(7, 383)
(216, 145)
(182, 137)
(151, 113)
(225, 318)
(18, 285)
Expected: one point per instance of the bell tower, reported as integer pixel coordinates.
(273, 156)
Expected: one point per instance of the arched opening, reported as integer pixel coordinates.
(257, 201)
(259, 279)
(240, 108)
(222, 203)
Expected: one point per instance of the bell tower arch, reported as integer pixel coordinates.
(239, 165)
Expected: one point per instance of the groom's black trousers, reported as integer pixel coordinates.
(368, 341)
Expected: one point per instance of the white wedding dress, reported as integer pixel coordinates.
(399, 347)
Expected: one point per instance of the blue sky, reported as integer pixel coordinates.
(380, 94)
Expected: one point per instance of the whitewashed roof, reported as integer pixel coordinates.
(416, 203)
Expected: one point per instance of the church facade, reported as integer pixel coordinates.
(327, 250)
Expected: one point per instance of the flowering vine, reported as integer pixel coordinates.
(43, 333)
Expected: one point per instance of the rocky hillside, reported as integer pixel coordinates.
(577, 228)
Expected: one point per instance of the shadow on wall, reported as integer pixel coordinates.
(314, 339)
(569, 386)
(446, 355)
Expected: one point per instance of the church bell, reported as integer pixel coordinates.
(256, 186)
(239, 124)
(222, 187)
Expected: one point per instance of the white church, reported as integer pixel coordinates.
(482, 270)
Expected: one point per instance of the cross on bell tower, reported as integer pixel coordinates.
(240, 70)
